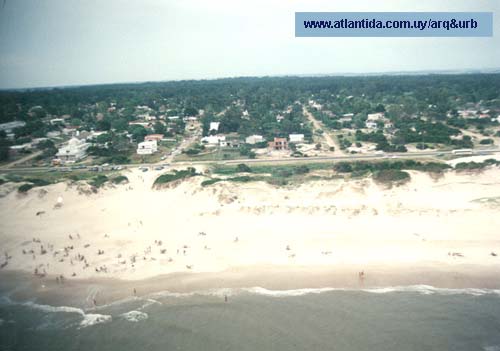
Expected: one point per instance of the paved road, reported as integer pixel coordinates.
(355, 157)
(358, 157)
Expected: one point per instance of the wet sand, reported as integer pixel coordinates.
(98, 292)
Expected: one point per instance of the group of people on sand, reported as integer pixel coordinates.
(100, 269)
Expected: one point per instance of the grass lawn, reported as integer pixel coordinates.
(215, 154)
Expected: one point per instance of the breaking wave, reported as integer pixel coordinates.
(88, 319)
(419, 289)
(93, 319)
(134, 316)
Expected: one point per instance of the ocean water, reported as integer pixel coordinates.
(402, 318)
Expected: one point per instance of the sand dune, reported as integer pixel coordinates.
(133, 232)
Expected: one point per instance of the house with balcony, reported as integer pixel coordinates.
(278, 144)
(73, 151)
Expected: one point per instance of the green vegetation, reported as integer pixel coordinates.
(422, 110)
(381, 171)
(246, 151)
(119, 179)
(469, 166)
(243, 168)
(241, 179)
(272, 169)
(25, 187)
(365, 166)
(38, 181)
(99, 180)
(176, 175)
(390, 176)
(194, 150)
(32, 182)
(280, 175)
(486, 142)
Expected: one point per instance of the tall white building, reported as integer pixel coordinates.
(73, 151)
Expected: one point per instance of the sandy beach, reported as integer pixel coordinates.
(441, 232)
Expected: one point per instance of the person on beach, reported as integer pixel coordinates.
(135, 292)
(361, 275)
(225, 298)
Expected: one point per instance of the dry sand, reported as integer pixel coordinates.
(441, 228)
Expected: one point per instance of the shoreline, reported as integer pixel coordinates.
(435, 232)
(22, 287)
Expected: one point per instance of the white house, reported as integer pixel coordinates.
(345, 119)
(372, 117)
(147, 147)
(53, 134)
(296, 138)
(70, 130)
(253, 139)
(467, 113)
(15, 149)
(9, 126)
(73, 151)
(214, 126)
(56, 121)
(371, 125)
(213, 139)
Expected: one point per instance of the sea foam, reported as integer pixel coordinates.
(419, 289)
(134, 316)
(88, 318)
(93, 319)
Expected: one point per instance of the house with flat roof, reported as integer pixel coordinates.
(150, 137)
(213, 139)
(254, 139)
(296, 138)
(147, 147)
